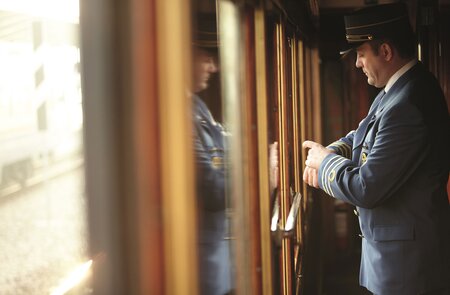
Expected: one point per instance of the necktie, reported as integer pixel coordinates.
(376, 105)
(362, 129)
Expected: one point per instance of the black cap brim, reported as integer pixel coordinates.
(349, 48)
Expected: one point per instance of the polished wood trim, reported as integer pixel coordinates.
(263, 139)
(251, 149)
(308, 92)
(145, 220)
(308, 113)
(316, 101)
(303, 121)
(300, 232)
(177, 164)
(296, 150)
(296, 144)
(285, 263)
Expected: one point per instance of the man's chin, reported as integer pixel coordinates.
(205, 85)
(201, 87)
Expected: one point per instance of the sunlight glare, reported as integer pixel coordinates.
(74, 278)
(67, 10)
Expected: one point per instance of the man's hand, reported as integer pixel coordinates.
(311, 176)
(316, 154)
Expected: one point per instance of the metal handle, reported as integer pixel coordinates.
(293, 213)
(275, 214)
(288, 230)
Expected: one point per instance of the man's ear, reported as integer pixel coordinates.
(386, 51)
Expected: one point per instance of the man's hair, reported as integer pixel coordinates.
(404, 45)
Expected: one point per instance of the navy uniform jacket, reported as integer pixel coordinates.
(394, 168)
(214, 248)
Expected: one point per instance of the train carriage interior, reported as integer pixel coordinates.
(155, 146)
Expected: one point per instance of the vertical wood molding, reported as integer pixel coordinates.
(145, 216)
(302, 122)
(177, 167)
(262, 123)
(296, 144)
(316, 101)
(285, 263)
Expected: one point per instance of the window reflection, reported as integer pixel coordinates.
(42, 200)
(215, 262)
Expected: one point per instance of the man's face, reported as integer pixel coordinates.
(372, 64)
(204, 65)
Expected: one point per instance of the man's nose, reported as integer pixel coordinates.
(358, 63)
(213, 67)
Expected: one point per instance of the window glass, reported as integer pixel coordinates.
(211, 144)
(43, 230)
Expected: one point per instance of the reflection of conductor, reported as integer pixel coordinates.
(214, 248)
(215, 260)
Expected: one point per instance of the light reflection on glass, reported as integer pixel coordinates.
(73, 279)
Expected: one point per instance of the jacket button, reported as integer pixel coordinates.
(361, 236)
(356, 212)
(331, 176)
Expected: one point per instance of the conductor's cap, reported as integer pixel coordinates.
(205, 31)
(376, 22)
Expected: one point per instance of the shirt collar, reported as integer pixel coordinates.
(398, 74)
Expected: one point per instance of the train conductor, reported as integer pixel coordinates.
(394, 167)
